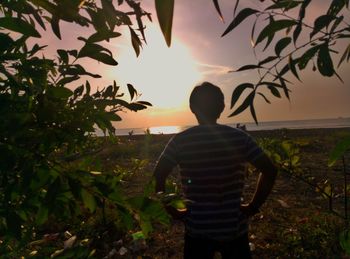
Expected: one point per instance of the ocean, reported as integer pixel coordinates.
(250, 126)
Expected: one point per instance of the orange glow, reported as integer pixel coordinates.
(165, 130)
(164, 76)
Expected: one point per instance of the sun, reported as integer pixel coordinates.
(164, 76)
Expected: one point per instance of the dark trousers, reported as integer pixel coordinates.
(205, 248)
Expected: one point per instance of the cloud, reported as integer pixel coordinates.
(209, 69)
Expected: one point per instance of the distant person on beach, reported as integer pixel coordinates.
(211, 158)
(242, 127)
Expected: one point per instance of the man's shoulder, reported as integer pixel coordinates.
(211, 129)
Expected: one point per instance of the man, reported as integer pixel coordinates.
(211, 158)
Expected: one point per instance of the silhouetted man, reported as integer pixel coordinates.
(211, 158)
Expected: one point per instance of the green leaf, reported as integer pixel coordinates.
(324, 61)
(235, 9)
(19, 25)
(321, 22)
(284, 70)
(346, 55)
(154, 209)
(135, 41)
(55, 20)
(42, 215)
(252, 112)
(217, 7)
(270, 83)
(145, 224)
(247, 102)
(178, 204)
(103, 35)
(327, 191)
(238, 92)
(73, 53)
(78, 91)
(108, 92)
(110, 13)
(87, 87)
(252, 33)
(274, 27)
(60, 92)
(274, 90)
(88, 200)
(307, 56)
(145, 103)
(67, 80)
(75, 70)
(127, 219)
(6, 42)
(112, 116)
(63, 55)
(104, 58)
(295, 161)
(38, 18)
(343, 36)
(340, 149)
(241, 16)
(284, 4)
(302, 10)
(90, 49)
(165, 12)
(138, 235)
(292, 66)
(247, 67)
(138, 13)
(336, 23)
(284, 86)
(297, 32)
(281, 45)
(336, 7)
(36, 48)
(98, 19)
(271, 36)
(344, 240)
(136, 106)
(263, 96)
(132, 91)
(267, 60)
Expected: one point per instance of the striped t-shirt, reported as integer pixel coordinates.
(211, 159)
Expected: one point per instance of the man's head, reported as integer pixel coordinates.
(207, 102)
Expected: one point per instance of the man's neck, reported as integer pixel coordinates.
(206, 122)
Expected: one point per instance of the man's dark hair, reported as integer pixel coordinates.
(207, 101)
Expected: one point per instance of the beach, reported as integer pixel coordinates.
(297, 219)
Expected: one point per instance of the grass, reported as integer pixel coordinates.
(295, 221)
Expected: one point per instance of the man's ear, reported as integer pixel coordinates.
(193, 110)
(222, 109)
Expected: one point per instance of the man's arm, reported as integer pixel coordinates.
(264, 186)
(161, 172)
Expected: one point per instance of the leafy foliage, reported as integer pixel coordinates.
(49, 113)
(286, 156)
(165, 12)
(284, 16)
(339, 150)
(289, 16)
(314, 233)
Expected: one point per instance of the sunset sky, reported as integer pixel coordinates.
(165, 76)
